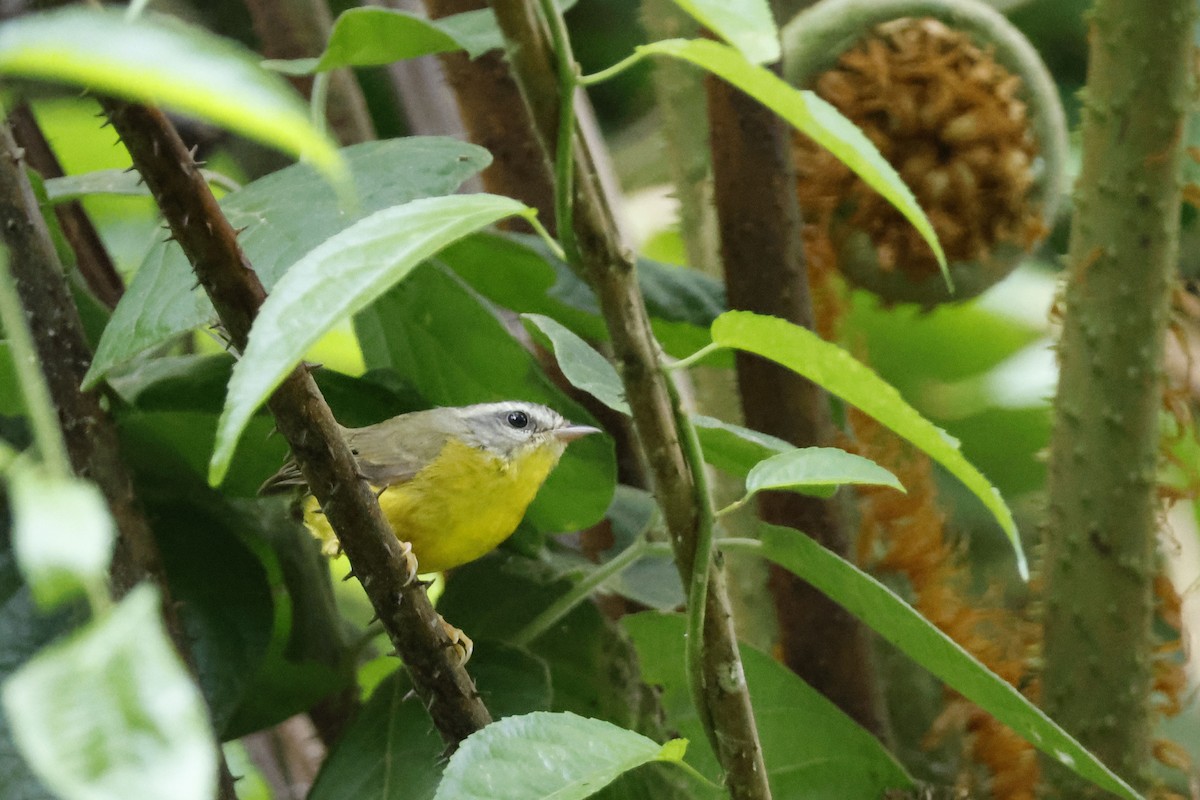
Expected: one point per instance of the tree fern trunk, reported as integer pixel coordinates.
(1124, 240)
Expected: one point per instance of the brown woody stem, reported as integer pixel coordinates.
(302, 416)
(88, 432)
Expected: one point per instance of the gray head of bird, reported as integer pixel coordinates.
(512, 426)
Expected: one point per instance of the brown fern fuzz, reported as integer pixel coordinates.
(949, 118)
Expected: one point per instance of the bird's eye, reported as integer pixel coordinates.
(518, 419)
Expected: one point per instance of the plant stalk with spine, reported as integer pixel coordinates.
(305, 421)
(547, 72)
(1100, 544)
(75, 433)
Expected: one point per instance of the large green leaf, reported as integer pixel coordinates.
(311, 653)
(900, 624)
(832, 368)
(62, 534)
(284, 215)
(586, 369)
(435, 332)
(390, 750)
(593, 667)
(335, 280)
(748, 25)
(806, 112)
(519, 273)
(161, 61)
(811, 748)
(111, 711)
(653, 579)
(365, 37)
(817, 471)
(255, 597)
(24, 630)
(576, 756)
(109, 181)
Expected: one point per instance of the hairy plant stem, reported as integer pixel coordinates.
(82, 439)
(719, 681)
(302, 416)
(1100, 546)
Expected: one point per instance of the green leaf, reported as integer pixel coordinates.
(748, 25)
(24, 630)
(364, 260)
(682, 302)
(811, 748)
(733, 448)
(818, 471)
(806, 112)
(364, 37)
(390, 750)
(160, 61)
(444, 340)
(652, 580)
(62, 534)
(387, 752)
(284, 215)
(107, 181)
(832, 368)
(586, 369)
(111, 711)
(900, 624)
(518, 273)
(311, 653)
(255, 599)
(593, 669)
(576, 756)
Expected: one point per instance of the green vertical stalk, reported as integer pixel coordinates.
(1100, 555)
(609, 268)
(680, 91)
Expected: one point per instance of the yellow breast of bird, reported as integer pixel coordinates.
(460, 506)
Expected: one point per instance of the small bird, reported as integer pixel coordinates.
(452, 482)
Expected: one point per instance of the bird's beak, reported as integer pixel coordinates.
(573, 432)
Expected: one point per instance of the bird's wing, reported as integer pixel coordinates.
(394, 451)
(388, 452)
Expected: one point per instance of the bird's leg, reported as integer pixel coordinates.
(459, 641)
(410, 562)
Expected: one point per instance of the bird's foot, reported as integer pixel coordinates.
(410, 562)
(460, 643)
